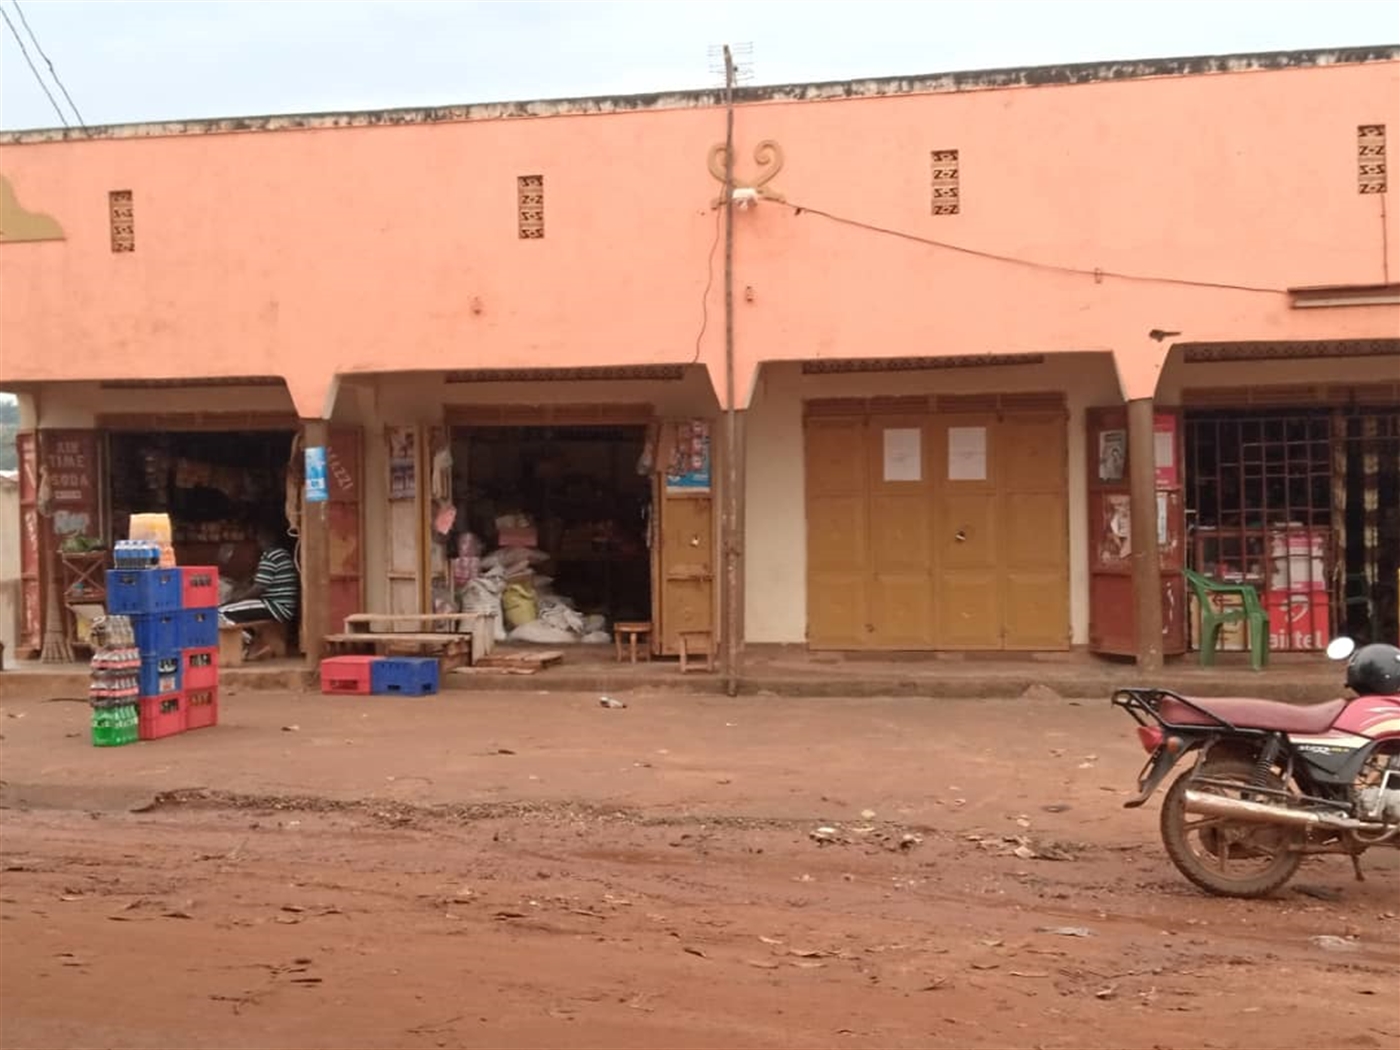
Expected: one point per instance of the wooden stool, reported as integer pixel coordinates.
(270, 635)
(633, 631)
(697, 643)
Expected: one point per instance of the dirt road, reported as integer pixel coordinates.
(528, 871)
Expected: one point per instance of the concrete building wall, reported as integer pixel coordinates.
(1094, 208)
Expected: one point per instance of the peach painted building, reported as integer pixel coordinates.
(972, 314)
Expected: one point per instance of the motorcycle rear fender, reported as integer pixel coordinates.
(1160, 763)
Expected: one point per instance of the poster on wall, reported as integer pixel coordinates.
(904, 454)
(1115, 530)
(967, 453)
(403, 482)
(1113, 454)
(316, 491)
(1164, 450)
(689, 467)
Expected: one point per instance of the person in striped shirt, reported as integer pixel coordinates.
(275, 589)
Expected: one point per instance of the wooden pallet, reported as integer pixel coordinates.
(520, 662)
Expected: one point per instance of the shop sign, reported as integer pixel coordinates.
(316, 491)
(68, 461)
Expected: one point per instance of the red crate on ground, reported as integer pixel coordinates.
(161, 716)
(346, 675)
(199, 586)
(201, 708)
(200, 669)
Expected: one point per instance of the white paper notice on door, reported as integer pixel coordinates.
(904, 460)
(967, 453)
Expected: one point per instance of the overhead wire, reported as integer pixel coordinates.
(1035, 264)
(709, 286)
(34, 69)
(49, 62)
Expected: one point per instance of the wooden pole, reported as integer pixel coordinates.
(315, 555)
(1147, 565)
(729, 539)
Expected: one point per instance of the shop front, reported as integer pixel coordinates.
(927, 506)
(228, 482)
(560, 517)
(1303, 504)
(1291, 486)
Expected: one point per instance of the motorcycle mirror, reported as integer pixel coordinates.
(1340, 648)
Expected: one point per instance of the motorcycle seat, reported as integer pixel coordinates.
(1251, 713)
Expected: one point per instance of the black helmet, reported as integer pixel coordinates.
(1375, 670)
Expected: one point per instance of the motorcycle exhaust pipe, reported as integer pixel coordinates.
(1205, 804)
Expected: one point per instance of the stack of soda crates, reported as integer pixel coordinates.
(149, 597)
(199, 644)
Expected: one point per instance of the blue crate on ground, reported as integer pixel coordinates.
(160, 674)
(157, 632)
(404, 676)
(132, 592)
(199, 629)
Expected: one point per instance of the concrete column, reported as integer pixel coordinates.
(315, 556)
(732, 550)
(1147, 565)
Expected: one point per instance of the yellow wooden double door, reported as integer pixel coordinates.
(937, 531)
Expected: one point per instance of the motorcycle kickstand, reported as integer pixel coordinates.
(1356, 867)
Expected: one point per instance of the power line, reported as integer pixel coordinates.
(49, 62)
(1097, 274)
(30, 62)
(709, 284)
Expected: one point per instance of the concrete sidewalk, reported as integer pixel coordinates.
(781, 671)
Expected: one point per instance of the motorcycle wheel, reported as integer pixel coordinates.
(1224, 857)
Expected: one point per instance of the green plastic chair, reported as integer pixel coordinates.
(1250, 612)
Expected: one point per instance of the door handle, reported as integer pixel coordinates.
(960, 535)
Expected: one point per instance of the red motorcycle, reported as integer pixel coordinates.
(1273, 782)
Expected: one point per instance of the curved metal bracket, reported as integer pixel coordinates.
(768, 155)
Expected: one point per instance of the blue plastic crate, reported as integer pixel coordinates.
(160, 674)
(404, 676)
(133, 592)
(199, 629)
(157, 632)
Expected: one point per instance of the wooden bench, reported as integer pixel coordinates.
(471, 640)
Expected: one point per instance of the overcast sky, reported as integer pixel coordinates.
(138, 60)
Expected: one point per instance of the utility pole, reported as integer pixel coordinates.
(729, 520)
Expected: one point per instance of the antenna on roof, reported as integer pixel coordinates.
(743, 62)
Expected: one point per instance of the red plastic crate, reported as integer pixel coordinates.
(199, 586)
(200, 668)
(346, 675)
(161, 716)
(201, 708)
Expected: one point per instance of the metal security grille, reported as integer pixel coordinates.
(1294, 502)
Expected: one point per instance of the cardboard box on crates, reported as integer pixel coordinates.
(1234, 637)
